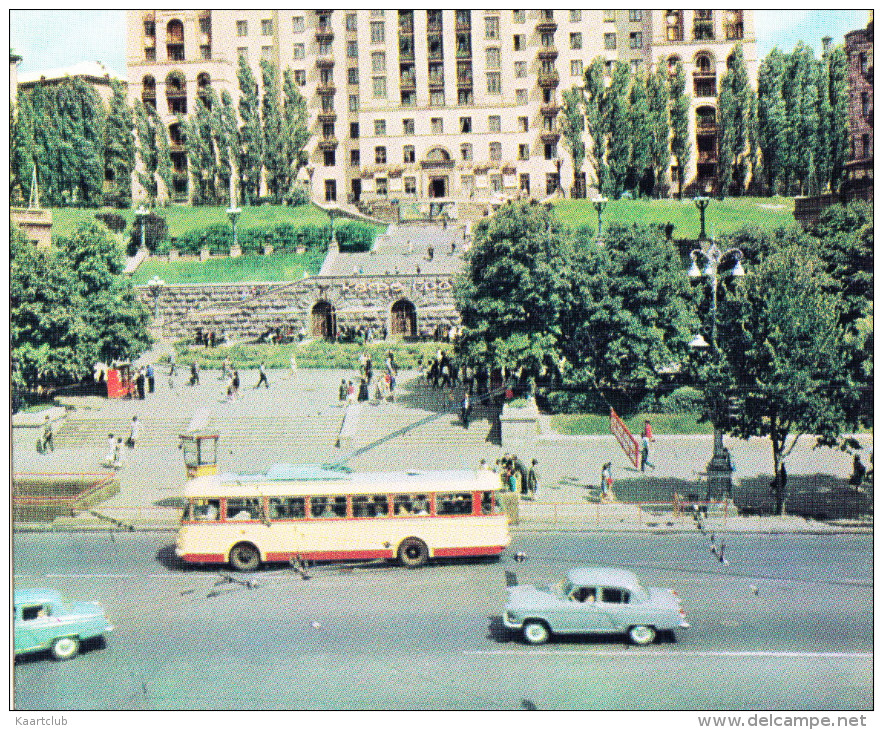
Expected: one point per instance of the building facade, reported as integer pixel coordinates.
(433, 104)
(860, 57)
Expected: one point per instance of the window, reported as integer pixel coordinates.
(351, 22)
(466, 152)
(379, 87)
(496, 151)
(370, 506)
(465, 125)
(550, 151)
(636, 65)
(519, 16)
(453, 504)
(354, 102)
(411, 504)
(547, 40)
(576, 16)
(576, 67)
(149, 28)
(493, 82)
(436, 98)
(552, 183)
(330, 195)
(437, 125)
(609, 16)
(614, 595)
(408, 153)
(492, 57)
(609, 41)
(635, 16)
(865, 103)
(352, 75)
(410, 186)
(524, 182)
(378, 62)
(523, 152)
(205, 53)
(298, 50)
(496, 183)
(491, 27)
(300, 77)
(408, 127)
(355, 158)
(467, 183)
(521, 96)
(519, 42)
(242, 53)
(241, 28)
(636, 40)
(493, 123)
(354, 130)
(244, 508)
(328, 130)
(548, 96)
(297, 24)
(520, 69)
(267, 53)
(703, 25)
(328, 507)
(150, 54)
(381, 186)
(409, 98)
(266, 27)
(380, 155)
(576, 41)
(330, 159)
(205, 25)
(379, 127)
(608, 67)
(377, 13)
(352, 49)
(377, 35)
(464, 97)
(522, 124)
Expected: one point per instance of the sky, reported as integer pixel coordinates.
(48, 39)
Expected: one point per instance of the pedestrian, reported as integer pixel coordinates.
(645, 452)
(521, 472)
(533, 479)
(465, 410)
(172, 362)
(117, 461)
(430, 252)
(262, 377)
(150, 378)
(294, 368)
(607, 482)
(235, 383)
(363, 390)
(47, 437)
(194, 373)
(225, 368)
(342, 390)
(107, 461)
(858, 471)
(410, 247)
(648, 431)
(134, 432)
(445, 374)
(139, 383)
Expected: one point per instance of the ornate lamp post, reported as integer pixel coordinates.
(719, 470)
(233, 214)
(701, 202)
(599, 203)
(141, 214)
(156, 285)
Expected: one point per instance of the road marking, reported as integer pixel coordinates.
(94, 575)
(668, 655)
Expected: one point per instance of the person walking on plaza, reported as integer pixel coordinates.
(194, 373)
(235, 382)
(294, 368)
(533, 479)
(648, 431)
(172, 362)
(263, 377)
(107, 461)
(465, 410)
(645, 452)
(46, 438)
(134, 432)
(151, 380)
(607, 482)
(139, 383)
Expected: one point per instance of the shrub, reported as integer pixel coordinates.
(299, 196)
(353, 236)
(218, 237)
(682, 400)
(114, 221)
(155, 230)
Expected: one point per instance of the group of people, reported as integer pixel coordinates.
(384, 384)
(113, 459)
(211, 338)
(362, 334)
(144, 381)
(514, 476)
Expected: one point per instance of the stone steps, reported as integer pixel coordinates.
(86, 431)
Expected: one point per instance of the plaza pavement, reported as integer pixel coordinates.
(298, 420)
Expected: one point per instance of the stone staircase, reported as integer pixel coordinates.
(320, 429)
(84, 431)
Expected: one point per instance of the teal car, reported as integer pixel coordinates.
(44, 620)
(593, 600)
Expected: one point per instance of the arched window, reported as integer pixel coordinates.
(706, 118)
(437, 154)
(175, 40)
(176, 93)
(203, 84)
(324, 320)
(176, 135)
(148, 91)
(403, 319)
(704, 64)
(672, 64)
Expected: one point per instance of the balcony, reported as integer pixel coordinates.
(706, 126)
(406, 28)
(706, 156)
(434, 27)
(324, 33)
(548, 53)
(547, 25)
(550, 110)
(548, 79)
(549, 137)
(326, 87)
(705, 88)
(325, 61)
(436, 54)
(464, 81)
(408, 82)
(436, 81)
(327, 116)
(464, 26)
(328, 143)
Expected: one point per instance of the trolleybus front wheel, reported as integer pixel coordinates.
(245, 556)
(413, 552)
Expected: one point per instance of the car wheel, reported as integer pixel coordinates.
(245, 557)
(642, 635)
(413, 552)
(535, 632)
(65, 648)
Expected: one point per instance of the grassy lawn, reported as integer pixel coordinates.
(181, 219)
(721, 216)
(311, 354)
(248, 267)
(590, 424)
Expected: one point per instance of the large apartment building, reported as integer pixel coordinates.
(423, 104)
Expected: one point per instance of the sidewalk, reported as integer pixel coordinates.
(298, 419)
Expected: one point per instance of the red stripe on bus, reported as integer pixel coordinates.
(204, 558)
(331, 555)
(463, 551)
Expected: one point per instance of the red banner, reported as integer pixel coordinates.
(628, 442)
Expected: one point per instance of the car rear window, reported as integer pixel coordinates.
(614, 595)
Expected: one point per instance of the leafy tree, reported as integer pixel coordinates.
(21, 151)
(513, 291)
(772, 119)
(250, 152)
(679, 112)
(838, 80)
(659, 123)
(226, 134)
(596, 123)
(273, 138)
(573, 124)
(153, 149)
(295, 128)
(44, 115)
(800, 89)
(119, 148)
(618, 128)
(200, 139)
(641, 133)
(782, 359)
(737, 110)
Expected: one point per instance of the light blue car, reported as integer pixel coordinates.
(44, 620)
(594, 600)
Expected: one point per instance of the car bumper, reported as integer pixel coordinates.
(511, 624)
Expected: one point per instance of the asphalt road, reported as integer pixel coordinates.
(389, 638)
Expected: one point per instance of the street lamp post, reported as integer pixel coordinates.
(142, 214)
(719, 469)
(233, 214)
(599, 203)
(701, 202)
(156, 285)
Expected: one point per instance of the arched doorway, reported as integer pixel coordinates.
(324, 321)
(404, 319)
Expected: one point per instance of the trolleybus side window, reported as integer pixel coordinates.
(287, 508)
(370, 505)
(490, 503)
(205, 510)
(243, 508)
(327, 507)
(459, 503)
(411, 504)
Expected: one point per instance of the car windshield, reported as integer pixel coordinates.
(563, 587)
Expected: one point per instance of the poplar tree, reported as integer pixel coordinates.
(838, 79)
(226, 132)
(596, 123)
(659, 124)
(573, 124)
(296, 131)
(618, 127)
(46, 141)
(679, 106)
(250, 152)
(737, 111)
(772, 119)
(119, 148)
(201, 153)
(641, 134)
(798, 88)
(273, 140)
(21, 151)
(153, 148)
